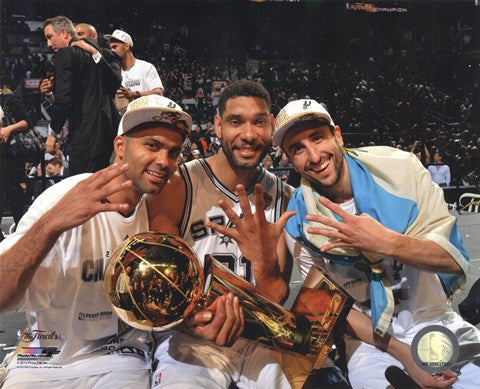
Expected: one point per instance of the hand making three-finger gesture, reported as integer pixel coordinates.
(361, 232)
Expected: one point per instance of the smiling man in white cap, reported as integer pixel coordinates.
(375, 222)
(52, 267)
(140, 78)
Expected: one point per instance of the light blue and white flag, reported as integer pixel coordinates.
(394, 188)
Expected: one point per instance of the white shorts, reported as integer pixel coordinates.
(183, 361)
(122, 379)
(366, 367)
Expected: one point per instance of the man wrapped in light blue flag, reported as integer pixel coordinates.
(374, 221)
(409, 209)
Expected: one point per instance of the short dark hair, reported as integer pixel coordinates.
(61, 22)
(246, 88)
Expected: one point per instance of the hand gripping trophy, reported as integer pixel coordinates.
(154, 280)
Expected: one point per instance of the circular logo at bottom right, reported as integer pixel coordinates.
(435, 349)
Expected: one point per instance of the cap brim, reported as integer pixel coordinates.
(110, 37)
(153, 114)
(279, 134)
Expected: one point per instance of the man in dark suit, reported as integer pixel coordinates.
(86, 78)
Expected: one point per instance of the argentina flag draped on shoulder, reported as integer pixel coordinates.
(394, 188)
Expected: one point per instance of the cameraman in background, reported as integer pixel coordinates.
(420, 149)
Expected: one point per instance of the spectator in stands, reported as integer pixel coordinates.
(54, 172)
(275, 153)
(422, 153)
(193, 147)
(472, 173)
(204, 143)
(54, 168)
(267, 162)
(209, 129)
(439, 171)
(284, 167)
(57, 153)
(196, 154)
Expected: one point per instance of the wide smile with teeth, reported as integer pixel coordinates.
(247, 151)
(157, 175)
(322, 166)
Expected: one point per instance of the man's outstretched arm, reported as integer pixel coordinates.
(19, 263)
(367, 234)
(359, 325)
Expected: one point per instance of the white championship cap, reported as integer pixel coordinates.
(154, 108)
(121, 36)
(299, 111)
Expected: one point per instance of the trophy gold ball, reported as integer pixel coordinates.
(153, 281)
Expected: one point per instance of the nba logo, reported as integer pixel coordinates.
(158, 379)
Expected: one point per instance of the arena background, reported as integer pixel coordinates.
(391, 72)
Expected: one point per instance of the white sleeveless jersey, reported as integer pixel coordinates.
(203, 191)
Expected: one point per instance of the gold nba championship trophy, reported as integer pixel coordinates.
(154, 280)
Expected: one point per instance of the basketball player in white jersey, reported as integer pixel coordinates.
(190, 202)
(52, 267)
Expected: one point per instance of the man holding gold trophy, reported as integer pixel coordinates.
(53, 265)
(244, 125)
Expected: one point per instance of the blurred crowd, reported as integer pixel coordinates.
(411, 88)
